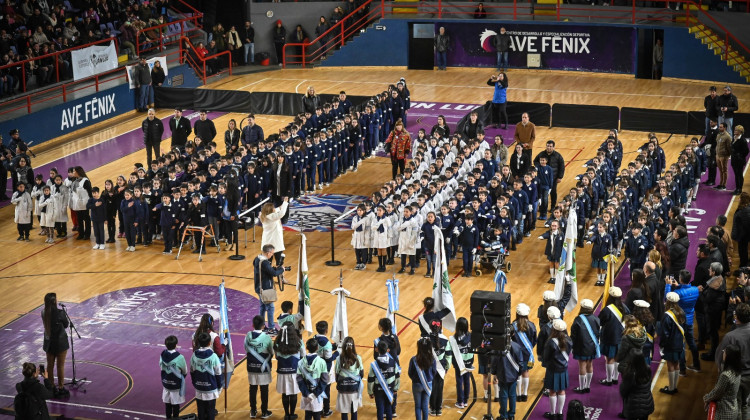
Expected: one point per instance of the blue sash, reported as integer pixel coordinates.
(526, 343)
(176, 372)
(591, 333)
(500, 280)
(381, 380)
(313, 382)
(348, 374)
(257, 356)
(427, 386)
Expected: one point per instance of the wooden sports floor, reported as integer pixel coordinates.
(28, 261)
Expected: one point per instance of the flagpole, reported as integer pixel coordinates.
(341, 285)
(226, 387)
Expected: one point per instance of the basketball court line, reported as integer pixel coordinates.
(108, 409)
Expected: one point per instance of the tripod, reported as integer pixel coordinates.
(75, 383)
(490, 394)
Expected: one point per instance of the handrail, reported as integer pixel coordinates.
(337, 32)
(201, 68)
(55, 54)
(192, 9)
(162, 30)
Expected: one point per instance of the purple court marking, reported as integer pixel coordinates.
(122, 336)
(107, 151)
(604, 402)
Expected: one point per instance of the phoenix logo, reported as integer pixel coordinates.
(486, 40)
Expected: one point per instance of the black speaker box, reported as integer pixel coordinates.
(488, 342)
(489, 324)
(490, 303)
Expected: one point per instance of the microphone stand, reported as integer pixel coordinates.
(75, 383)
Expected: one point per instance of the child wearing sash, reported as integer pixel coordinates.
(507, 368)
(422, 371)
(585, 335)
(328, 353)
(394, 347)
(545, 329)
(642, 312)
(458, 351)
(383, 381)
(672, 340)
(556, 354)
(612, 326)
(287, 307)
(173, 371)
(288, 350)
(205, 373)
(349, 373)
(439, 345)
(359, 237)
(524, 333)
(312, 378)
(259, 350)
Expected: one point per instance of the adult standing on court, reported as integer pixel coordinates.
(740, 336)
(711, 103)
(399, 143)
(728, 105)
(741, 227)
(499, 99)
(180, 128)
(311, 101)
(557, 163)
(273, 228)
(739, 154)
(55, 341)
(264, 273)
(525, 134)
(252, 133)
(442, 44)
(153, 129)
(723, 152)
(81, 192)
(502, 46)
(205, 128)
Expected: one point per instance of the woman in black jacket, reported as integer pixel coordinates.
(311, 101)
(157, 74)
(635, 389)
(55, 340)
(281, 183)
(35, 389)
(232, 136)
(739, 154)
(741, 227)
(519, 163)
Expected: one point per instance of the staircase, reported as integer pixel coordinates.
(733, 57)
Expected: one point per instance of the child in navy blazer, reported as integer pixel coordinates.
(469, 240)
(128, 210)
(602, 246)
(98, 209)
(553, 250)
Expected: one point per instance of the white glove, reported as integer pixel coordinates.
(541, 237)
(447, 240)
(473, 251)
(531, 207)
(455, 231)
(588, 242)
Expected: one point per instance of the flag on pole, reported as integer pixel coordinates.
(566, 270)
(500, 280)
(226, 338)
(340, 328)
(393, 292)
(441, 285)
(303, 286)
(611, 260)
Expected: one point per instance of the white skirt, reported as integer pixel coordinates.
(345, 402)
(259, 378)
(172, 396)
(315, 404)
(286, 384)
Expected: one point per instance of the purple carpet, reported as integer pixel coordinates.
(108, 151)
(604, 402)
(122, 335)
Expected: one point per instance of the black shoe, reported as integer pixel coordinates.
(402, 270)
(411, 272)
(736, 192)
(328, 413)
(198, 251)
(605, 382)
(549, 415)
(551, 280)
(381, 269)
(668, 391)
(580, 390)
(253, 414)
(708, 183)
(614, 382)
(266, 414)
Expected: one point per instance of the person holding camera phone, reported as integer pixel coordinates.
(55, 341)
(31, 400)
(264, 275)
(499, 99)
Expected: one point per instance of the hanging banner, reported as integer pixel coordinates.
(150, 62)
(559, 46)
(93, 60)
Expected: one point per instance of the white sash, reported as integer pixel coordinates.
(457, 355)
(439, 367)
(427, 387)
(512, 362)
(557, 344)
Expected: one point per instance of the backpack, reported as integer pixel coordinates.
(27, 406)
(576, 411)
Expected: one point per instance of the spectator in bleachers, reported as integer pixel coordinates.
(479, 12)
(234, 44)
(128, 36)
(247, 34)
(219, 36)
(279, 39)
(299, 36)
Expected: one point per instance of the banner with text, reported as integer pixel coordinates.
(93, 60)
(560, 46)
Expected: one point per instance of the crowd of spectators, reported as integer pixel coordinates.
(31, 29)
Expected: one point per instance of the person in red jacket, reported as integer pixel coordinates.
(399, 143)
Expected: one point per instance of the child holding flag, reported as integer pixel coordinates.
(173, 371)
(524, 333)
(383, 381)
(585, 335)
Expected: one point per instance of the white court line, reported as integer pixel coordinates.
(296, 88)
(515, 88)
(98, 408)
(250, 84)
(656, 377)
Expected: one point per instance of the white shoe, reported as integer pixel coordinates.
(101, 246)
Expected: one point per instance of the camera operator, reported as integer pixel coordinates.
(55, 341)
(264, 275)
(31, 401)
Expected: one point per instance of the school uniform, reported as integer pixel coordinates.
(359, 238)
(527, 340)
(555, 243)
(98, 217)
(173, 371)
(636, 249)
(325, 352)
(169, 219)
(421, 386)
(380, 227)
(460, 347)
(556, 375)
(61, 197)
(206, 375)
(610, 319)
(47, 210)
(601, 247)
(508, 366)
(585, 343)
(383, 382)
(672, 337)
(312, 377)
(23, 210)
(349, 386)
(407, 240)
(469, 240)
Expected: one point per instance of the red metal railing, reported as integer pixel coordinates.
(335, 36)
(189, 55)
(169, 33)
(54, 55)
